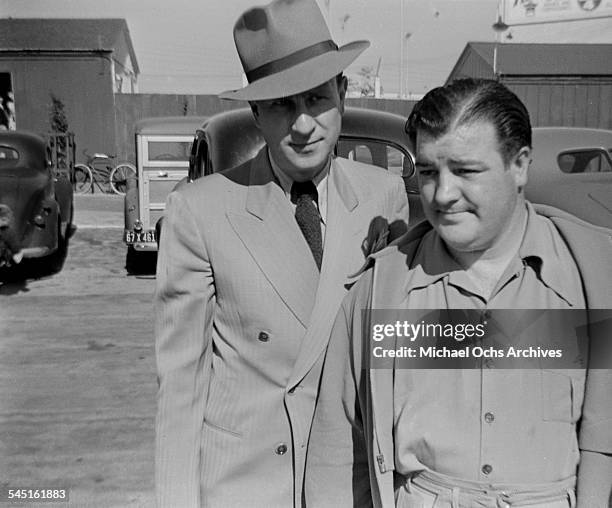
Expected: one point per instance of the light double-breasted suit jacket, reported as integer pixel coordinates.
(242, 323)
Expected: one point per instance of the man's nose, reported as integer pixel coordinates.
(304, 122)
(447, 190)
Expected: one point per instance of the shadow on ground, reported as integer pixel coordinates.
(14, 279)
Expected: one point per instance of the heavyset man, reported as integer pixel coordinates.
(456, 437)
(252, 269)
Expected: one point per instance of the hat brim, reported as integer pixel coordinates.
(300, 77)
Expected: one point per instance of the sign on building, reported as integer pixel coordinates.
(523, 12)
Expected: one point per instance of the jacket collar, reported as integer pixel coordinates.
(268, 230)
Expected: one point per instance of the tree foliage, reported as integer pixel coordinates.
(57, 115)
(363, 83)
(59, 143)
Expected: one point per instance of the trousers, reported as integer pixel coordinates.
(428, 489)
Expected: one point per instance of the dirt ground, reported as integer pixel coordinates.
(77, 372)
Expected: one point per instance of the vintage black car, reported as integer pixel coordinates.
(373, 137)
(163, 150)
(36, 202)
(572, 170)
(230, 138)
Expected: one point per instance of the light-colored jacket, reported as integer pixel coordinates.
(242, 323)
(350, 459)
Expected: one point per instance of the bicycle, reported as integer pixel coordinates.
(99, 171)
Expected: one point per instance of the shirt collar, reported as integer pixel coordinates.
(432, 262)
(286, 181)
(540, 250)
(320, 181)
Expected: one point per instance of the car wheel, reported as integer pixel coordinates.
(55, 261)
(70, 227)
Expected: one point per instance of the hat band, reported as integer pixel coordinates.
(290, 60)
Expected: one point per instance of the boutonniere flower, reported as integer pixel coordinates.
(376, 240)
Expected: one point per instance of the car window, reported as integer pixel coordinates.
(361, 153)
(8, 154)
(374, 152)
(169, 150)
(595, 160)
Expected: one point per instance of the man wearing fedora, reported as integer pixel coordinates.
(253, 264)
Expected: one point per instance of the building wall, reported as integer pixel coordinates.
(580, 102)
(125, 76)
(133, 107)
(399, 107)
(130, 108)
(552, 100)
(82, 83)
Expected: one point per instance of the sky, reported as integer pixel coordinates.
(186, 46)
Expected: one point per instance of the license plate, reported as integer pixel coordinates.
(140, 236)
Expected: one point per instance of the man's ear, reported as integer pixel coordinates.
(520, 167)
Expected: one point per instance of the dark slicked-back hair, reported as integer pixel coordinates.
(467, 100)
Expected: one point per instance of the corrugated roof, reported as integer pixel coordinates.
(543, 59)
(62, 34)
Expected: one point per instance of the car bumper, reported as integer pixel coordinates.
(36, 252)
(144, 247)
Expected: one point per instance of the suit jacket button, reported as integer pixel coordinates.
(280, 449)
(263, 337)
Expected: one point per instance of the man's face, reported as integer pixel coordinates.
(301, 130)
(468, 193)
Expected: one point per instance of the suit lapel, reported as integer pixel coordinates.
(268, 230)
(343, 225)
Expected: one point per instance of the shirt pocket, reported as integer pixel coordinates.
(562, 395)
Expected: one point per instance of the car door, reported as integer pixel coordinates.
(577, 180)
(387, 155)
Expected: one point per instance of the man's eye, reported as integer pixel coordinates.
(426, 172)
(465, 171)
(278, 103)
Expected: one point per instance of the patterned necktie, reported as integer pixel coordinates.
(304, 196)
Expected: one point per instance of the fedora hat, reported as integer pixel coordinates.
(286, 48)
